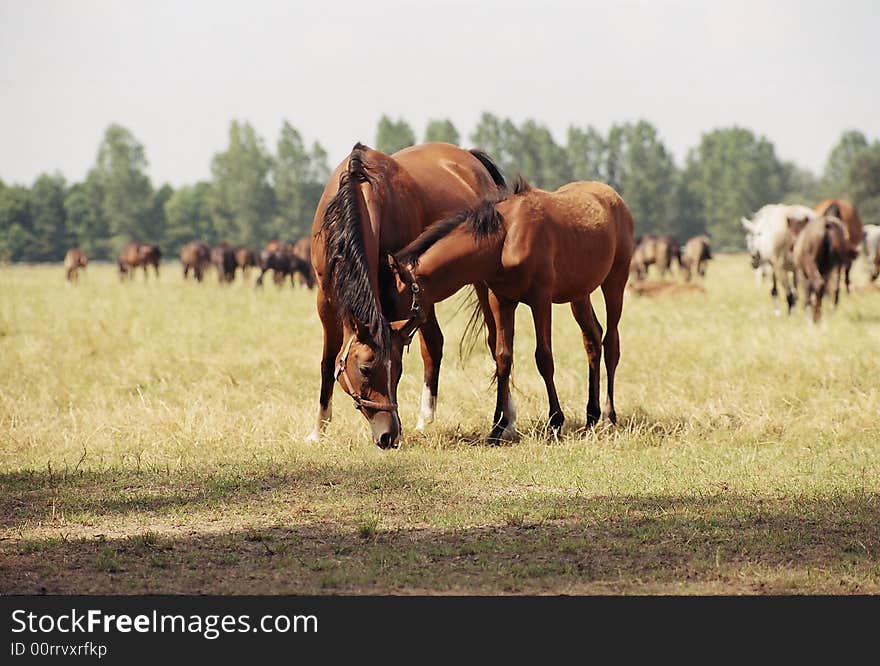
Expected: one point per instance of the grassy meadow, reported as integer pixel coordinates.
(151, 441)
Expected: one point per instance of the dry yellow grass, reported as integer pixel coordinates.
(151, 440)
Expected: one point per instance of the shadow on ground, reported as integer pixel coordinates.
(723, 542)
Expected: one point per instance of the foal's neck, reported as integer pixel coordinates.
(455, 261)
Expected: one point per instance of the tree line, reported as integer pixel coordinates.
(255, 194)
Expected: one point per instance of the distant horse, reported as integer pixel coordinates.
(195, 256)
(653, 249)
(770, 237)
(697, 251)
(843, 210)
(283, 264)
(538, 248)
(73, 261)
(871, 248)
(821, 252)
(373, 205)
(245, 259)
(303, 249)
(135, 254)
(223, 258)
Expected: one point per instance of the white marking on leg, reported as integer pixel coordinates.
(510, 415)
(429, 407)
(324, 417)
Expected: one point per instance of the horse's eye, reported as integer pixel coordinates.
(366, 370)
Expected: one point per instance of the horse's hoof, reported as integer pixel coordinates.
(313, 437)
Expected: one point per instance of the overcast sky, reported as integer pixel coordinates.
(176, 72)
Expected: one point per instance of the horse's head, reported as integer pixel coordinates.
(369, 370)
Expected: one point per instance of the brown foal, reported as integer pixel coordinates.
(537, 248)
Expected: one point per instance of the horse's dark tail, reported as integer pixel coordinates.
(491, 167)
(475, 324)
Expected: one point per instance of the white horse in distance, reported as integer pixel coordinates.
(770, 237)
(871, 248)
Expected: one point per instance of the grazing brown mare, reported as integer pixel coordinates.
(652, 249)
(245, 259)
(135, 254)
(697, 251)
(73, 261)
(537, 248)
(843, 210)
(373, 205)
(223, 258)
(821, 251)
(195, 256)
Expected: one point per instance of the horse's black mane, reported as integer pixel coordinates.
(482, 221)
(491, 167)
(347, 276)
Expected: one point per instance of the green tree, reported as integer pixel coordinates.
(638, 165)
(800, 185)
(835, 177)
(863, 183)
(127, 194)
(156, 224)
(537, 156)
(733, 173)
(16, 224)
(299, 175)
(188, 217)
(83, 208)
(51, 238)
(243, 200)
(585, 151)
(441, 130)
(392, 136)
(497, 137)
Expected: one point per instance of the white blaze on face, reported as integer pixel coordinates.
(429, 406)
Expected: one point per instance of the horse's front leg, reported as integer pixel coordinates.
(431, 342)
(332, 345)
(504, 420)
(542, 314)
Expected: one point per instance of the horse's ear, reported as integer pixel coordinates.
(747, 224)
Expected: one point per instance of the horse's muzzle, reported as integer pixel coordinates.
(385, 427)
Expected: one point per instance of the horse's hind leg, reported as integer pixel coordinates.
(431, 343)
(332, 345)
(592, 334)
(612, 289)
(505, 415)
(542, 313)
(835, 280)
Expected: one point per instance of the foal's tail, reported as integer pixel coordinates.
(491, 167)
(475, 324)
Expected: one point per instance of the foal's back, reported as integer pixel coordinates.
(575, 235)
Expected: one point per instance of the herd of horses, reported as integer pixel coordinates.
(810, 247)
(393, 235)
(284, 259)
